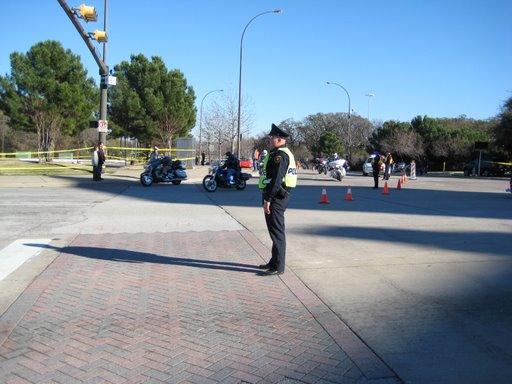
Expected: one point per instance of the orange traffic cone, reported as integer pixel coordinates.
(324, 200)
(386, 189)
(399, 185)
(404, 178)
(348, 196)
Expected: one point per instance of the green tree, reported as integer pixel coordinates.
(451, 139)
(503, 130)
(352, 140)
(48, 92)
(330, 144)
(312, 129)
(150, 102)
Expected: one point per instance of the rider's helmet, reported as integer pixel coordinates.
(227, 154)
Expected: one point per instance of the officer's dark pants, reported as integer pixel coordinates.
(276, 229)
(376, 178)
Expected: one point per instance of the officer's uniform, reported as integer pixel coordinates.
(388, 161)
(376, 163)
(279, 176)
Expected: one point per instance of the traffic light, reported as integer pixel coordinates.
(99, 36)
(87, 12)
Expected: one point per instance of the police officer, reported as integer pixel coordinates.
(278, 177)
(376, 164)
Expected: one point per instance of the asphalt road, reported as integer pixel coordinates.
(423, 275)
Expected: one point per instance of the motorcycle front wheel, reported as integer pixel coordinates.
(241, 185)
(209, 183)
(146, 180)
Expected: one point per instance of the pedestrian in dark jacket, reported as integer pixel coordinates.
(98, 159)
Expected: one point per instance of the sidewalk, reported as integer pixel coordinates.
(180, 307)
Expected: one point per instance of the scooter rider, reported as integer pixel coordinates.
(155, 154)
(232, 166)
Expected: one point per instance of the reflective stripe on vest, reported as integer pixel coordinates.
(290, 179)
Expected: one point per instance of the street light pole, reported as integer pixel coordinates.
(349, 118)
(370, 95)
(240, 77)
(201, 116)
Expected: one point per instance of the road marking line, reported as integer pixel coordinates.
(18, 252)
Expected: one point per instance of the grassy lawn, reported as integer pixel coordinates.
(19, 167)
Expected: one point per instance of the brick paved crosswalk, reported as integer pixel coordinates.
(126, 308)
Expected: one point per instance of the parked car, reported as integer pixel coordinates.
(246, 163)
(399, 167)
(488, 167)
(367, 166)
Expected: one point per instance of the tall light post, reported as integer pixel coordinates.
(240, 77)
(201, 116)
(349, 116)
(370, 95)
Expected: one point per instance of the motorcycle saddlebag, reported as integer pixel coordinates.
(180, 174)
(245, 176)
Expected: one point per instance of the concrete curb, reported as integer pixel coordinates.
(366, 360)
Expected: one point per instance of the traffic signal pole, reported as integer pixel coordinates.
(103, 68)
(104, 72)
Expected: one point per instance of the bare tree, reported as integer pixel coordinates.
(400, 139)
(220, 124)
(47, 123)
(215, 131)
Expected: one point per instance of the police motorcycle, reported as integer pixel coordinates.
(337, 167)
(163, 170)
(217, 178)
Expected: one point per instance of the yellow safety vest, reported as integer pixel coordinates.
(290, 179)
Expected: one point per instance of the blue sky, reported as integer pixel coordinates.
(441, 58)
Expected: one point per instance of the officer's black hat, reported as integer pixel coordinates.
(278, 132)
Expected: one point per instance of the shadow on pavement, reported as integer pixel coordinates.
(472, 242)
(127, 256)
